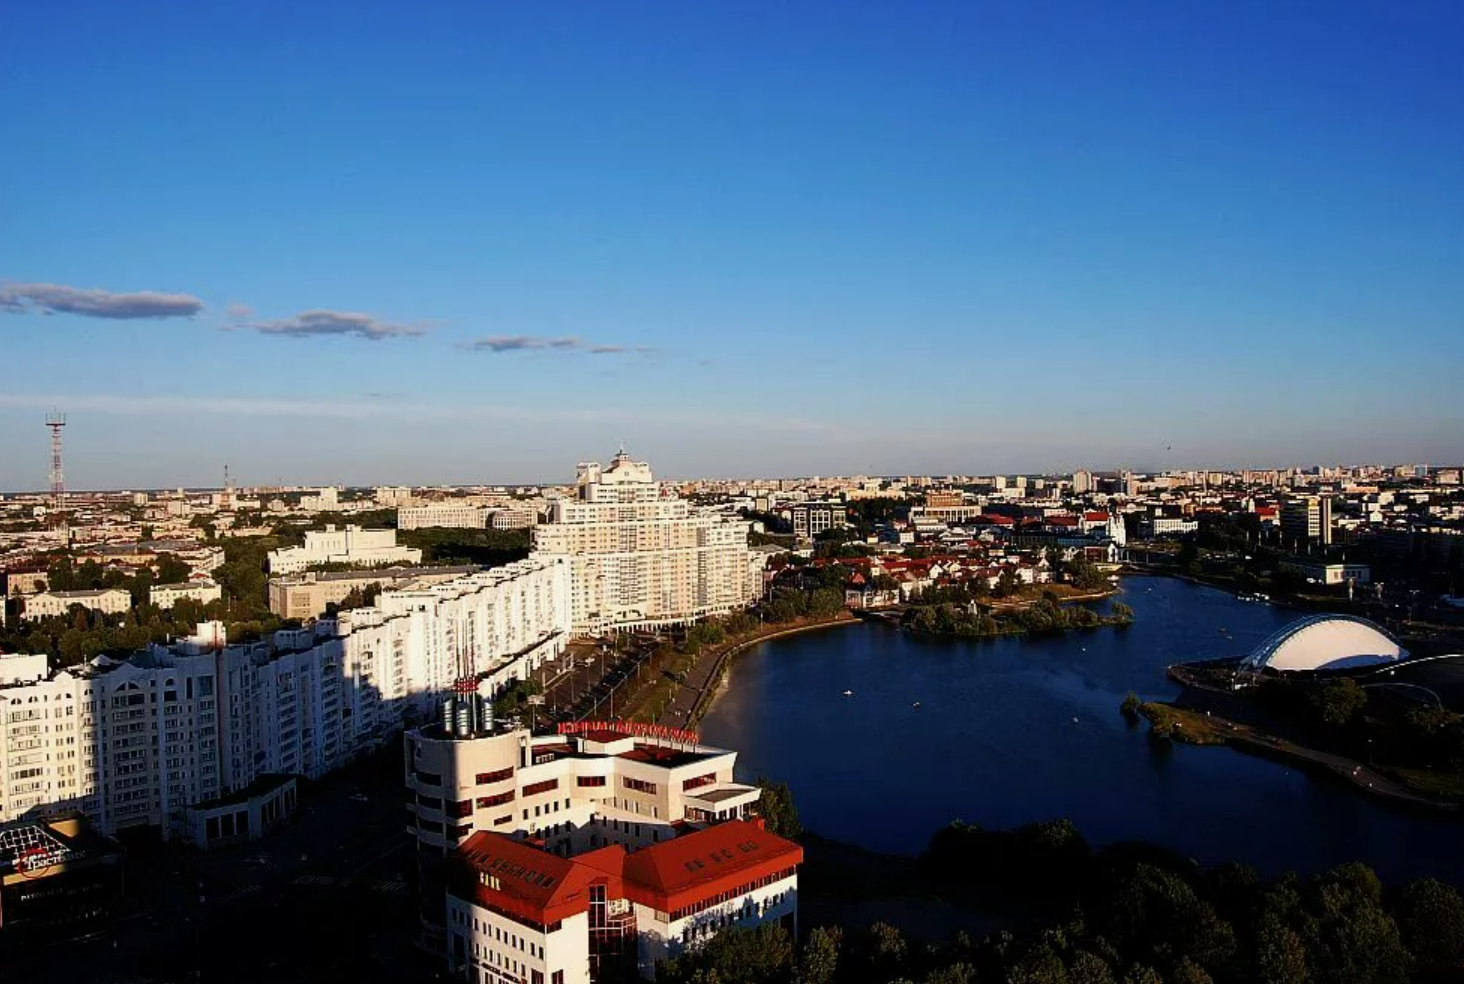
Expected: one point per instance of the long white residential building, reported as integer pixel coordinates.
(137, 742)
(352, 545)
(642, 558)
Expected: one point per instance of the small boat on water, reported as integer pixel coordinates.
(848, 693)
(916, 705)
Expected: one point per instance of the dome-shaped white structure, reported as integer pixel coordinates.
(1325, 642)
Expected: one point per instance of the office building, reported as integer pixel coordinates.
(519, 913)
(352, 545)
(640, 557)
(606, 792)
(60, 882)
(1082, 482)
(1307, 519)
(812, 518)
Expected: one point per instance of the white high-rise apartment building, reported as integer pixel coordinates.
(137, 742)
(641, 557)
(128, 743)
(352, 545)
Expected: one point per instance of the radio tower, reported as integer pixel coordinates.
(57, 420)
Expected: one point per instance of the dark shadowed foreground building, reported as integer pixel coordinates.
(59, 881)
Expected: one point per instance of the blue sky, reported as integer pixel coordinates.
(477, 242)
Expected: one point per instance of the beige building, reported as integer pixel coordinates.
(168, 595)
(459, 514)
(641, 557)
(352, 545)
(108, 600)
(305, 596)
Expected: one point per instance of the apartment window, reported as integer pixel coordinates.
(586, 782)
(639, 785)
(460, 809)
(699, 781)
(535, 788)
(484, 802)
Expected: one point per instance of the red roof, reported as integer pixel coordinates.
(1062, 521)
(525, 881)
(538, 887)
(1096, 517)
(678, 873)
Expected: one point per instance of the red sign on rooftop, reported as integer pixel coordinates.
(636, 729)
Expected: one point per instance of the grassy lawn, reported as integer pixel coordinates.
(1179, 724)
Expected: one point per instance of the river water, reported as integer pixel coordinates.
(1016, 730)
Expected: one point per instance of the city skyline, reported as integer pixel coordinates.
(812, 240)
(243, 483)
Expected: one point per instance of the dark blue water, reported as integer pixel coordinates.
(1012, 731)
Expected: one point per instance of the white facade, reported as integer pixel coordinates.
(642, 558)
(138, 742)
(108, 600)
(352, 545)
(168, 595)
(129, 744)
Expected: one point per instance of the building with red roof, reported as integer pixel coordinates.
(519, 913)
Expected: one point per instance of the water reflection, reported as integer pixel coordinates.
(1010, 731)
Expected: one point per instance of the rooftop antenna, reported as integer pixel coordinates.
(56, 420)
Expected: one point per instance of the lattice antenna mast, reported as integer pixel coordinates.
(57, 420)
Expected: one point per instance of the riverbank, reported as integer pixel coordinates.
(681, 700)
(1194, 727)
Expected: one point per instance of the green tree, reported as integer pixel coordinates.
(1430, 917)
(1336, 702)
(762, 955)
(818, 960)
(776, 808)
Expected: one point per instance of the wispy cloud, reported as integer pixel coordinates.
(308, 323)
(535, 343)
(369, 408)
(95, 303)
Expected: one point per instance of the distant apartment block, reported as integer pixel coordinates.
(305, 596)
(108, 600)
(812, 518)
(513, 517)
(352, 545)
(168, 595)
(452, 515)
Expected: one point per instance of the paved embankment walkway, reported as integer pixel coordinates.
(694, 696)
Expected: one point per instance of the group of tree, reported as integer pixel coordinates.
(1129, 914)
(941, 617)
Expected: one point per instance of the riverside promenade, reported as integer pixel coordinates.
(694, 695)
